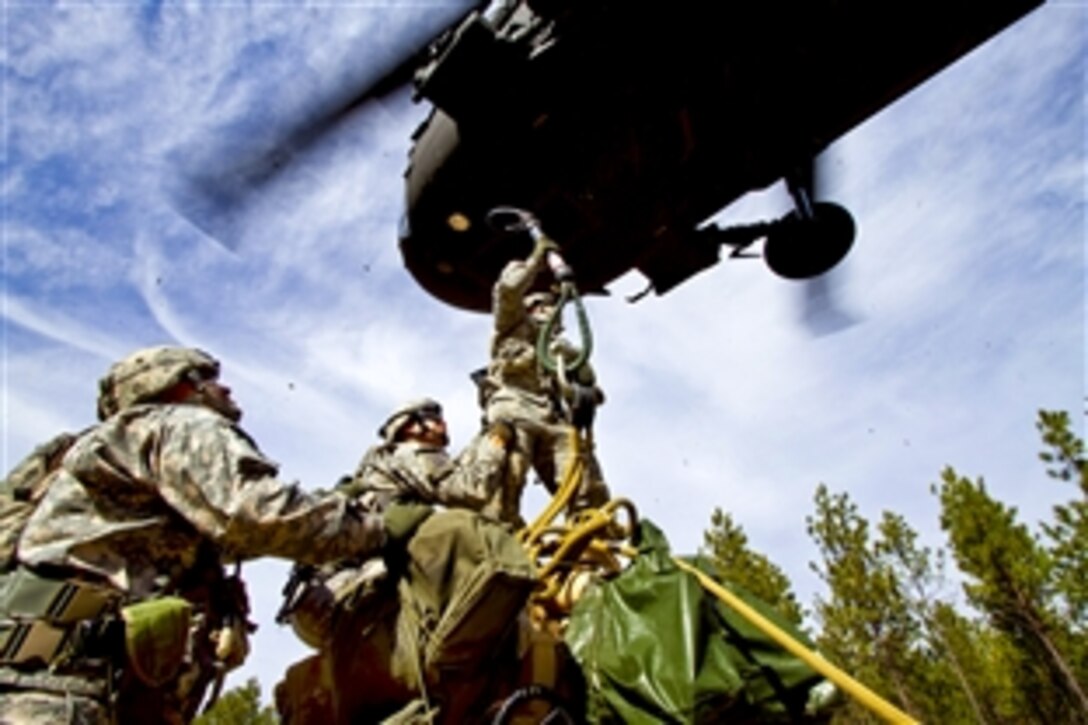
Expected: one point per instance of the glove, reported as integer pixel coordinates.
(545, 244)
(402, 519)
(583, 404)
(560, 269)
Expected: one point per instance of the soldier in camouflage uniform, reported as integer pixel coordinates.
(411, 466)
(518, 389)
(121, 609)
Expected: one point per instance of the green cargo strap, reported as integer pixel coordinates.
(37, 614)
(26, 595)
(568, 293)
(157, 637)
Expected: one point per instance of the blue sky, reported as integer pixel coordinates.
(968, 277)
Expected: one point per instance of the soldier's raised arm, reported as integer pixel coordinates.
(513, 283)
(412, 463)
(169, 455)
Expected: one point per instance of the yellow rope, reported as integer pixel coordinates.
(572, 478)
(579, 536)
(866, 697)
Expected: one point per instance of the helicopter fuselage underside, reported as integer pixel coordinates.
(623, 126)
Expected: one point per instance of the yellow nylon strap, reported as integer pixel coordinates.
(866, 697)
(577, 537)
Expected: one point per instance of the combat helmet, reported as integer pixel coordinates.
(147, 373)
(405, 414)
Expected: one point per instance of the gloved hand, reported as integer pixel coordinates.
(402, 519)
(559, 267)
(545, 244)
(584, 400)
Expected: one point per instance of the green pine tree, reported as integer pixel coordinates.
(947, 684)
(890, 622)
(1068, 534)
(735, 561)
(868, 628)
(1011, 579)
(239, 706)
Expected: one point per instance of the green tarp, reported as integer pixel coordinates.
(654, 646)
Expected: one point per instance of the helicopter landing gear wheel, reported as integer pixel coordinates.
(801, 248)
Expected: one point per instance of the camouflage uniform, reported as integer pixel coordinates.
(18, 707)
(411, 470)
(519, 390)
(336, 602)
(151, 503)
(394, 471)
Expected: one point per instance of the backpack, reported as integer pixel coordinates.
(23, 488)
(443, 625)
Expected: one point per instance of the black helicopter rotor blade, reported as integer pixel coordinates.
(214, 185)
(820, 297)
(823, 310)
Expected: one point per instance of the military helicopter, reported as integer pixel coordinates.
(624, 127)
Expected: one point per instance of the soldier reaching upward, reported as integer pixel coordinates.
(519, 390)
(412, 467)
(366, 620)
(412, 462)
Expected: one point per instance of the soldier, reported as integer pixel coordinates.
(348, 610)
(120, 609)
(410, 466)
(412, 463)
(518, 389)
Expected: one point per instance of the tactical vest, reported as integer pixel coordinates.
(46, 620)
(37, 614)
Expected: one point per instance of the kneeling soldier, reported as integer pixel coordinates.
(370, 623)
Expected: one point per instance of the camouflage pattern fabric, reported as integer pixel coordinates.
(155, 499)
(408, 472)
(140, 493)
(545, 447)
(417, 472)
(23, 488)
(147, 373)
(350, 610)
(20, 708)
(519, 390)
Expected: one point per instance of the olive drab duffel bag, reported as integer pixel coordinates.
(442, 629)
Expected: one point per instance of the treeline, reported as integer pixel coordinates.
(990, 629)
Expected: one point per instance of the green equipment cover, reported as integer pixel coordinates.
(654, 646)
